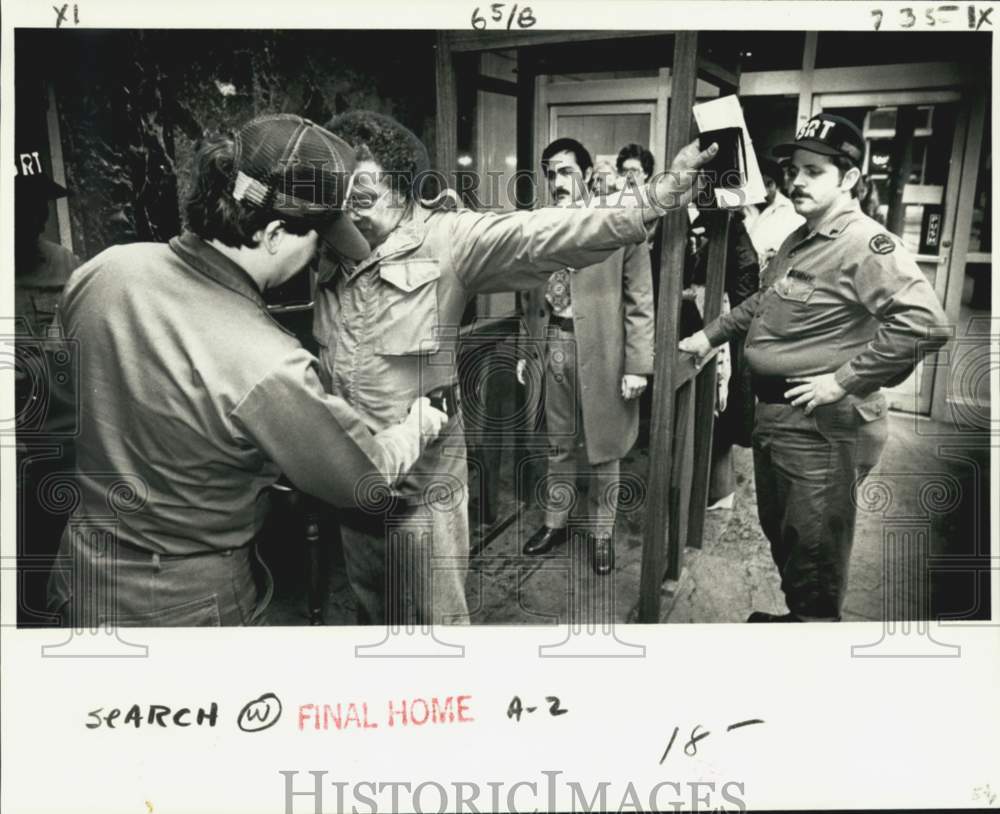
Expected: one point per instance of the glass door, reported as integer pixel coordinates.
(604, 129)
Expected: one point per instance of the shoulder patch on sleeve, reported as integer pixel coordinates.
(882, 244)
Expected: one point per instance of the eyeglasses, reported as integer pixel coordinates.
(360, 200)
(366, 197)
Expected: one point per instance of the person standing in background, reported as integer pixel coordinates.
(770, 222)
(596, 325)
(41, 269)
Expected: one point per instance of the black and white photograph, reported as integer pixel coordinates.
(394, 334)
(461, 400)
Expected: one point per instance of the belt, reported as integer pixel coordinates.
(562, 323)
(125, 550)
(447, 398)
(771, 389)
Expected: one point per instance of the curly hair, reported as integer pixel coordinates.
(397, 150)
(633, 150)
(211, 212)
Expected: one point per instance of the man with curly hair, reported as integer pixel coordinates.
(387, 325)
(196, 400)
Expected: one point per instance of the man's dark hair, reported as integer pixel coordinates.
(396, 149)
(771, 169)
(569, 145)
(843, 164)
(634, 150)
(211, 212)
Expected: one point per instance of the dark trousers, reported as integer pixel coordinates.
(807, 469)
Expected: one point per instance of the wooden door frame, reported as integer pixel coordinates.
(652, 90)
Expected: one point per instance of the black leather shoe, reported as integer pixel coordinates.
(543, 540)
(603, 554)
(761, 616)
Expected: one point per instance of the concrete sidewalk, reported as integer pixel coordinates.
(927, 498)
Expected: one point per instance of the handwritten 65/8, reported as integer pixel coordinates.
(526, 19)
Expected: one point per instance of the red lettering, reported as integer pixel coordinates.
(367, 724)
(306, 711)
(413, 711)
(328, 713)
(463, 712)
(393, 712)
(442, 714)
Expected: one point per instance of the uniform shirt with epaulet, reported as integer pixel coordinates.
(388, 326)
(844, 298)
(37, 289)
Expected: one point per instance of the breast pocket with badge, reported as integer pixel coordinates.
(794, 288)
(408, 307)
(789, 311)
(44, 304)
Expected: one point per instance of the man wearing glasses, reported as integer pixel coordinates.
(387, 325)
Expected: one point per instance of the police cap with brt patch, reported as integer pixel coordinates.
(827, 134)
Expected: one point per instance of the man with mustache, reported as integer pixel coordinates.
(597, 327)
(387, 323)
(770, 222)
(848, 312)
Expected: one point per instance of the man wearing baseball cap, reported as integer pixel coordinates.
(44, 447)
(194, 400)
(845, 311)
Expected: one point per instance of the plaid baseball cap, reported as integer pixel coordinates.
(294, 168)
(827, 134)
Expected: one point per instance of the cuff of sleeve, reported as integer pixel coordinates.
(847, 378)
(637, 223)
(716, 335)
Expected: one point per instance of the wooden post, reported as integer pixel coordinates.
(675, 226)
(806, 78)
(446, 129)
(717, 231)
(902, 162)
(527, 464)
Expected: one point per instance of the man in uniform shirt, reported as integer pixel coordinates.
(388, 324)
(44, 448)
(194, 400)
(596, 325)
(770, 222)
(847, 312)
